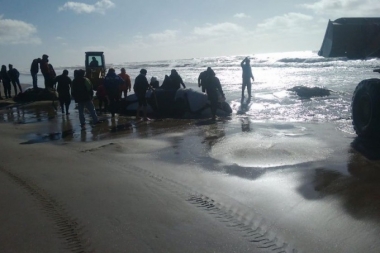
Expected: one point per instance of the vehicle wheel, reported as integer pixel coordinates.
(366, 109)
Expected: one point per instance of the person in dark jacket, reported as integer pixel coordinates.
(34, 71)
(202, 79)
(52, 76)
(63, 88)
(82, 92)
(213, 89)
(176, 80)
(6, 81)
(14, 76)
(154, 82)
(112, 83)
(94, 63)
(140, 87)
(44, 66)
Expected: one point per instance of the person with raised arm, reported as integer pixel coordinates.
(247, 75)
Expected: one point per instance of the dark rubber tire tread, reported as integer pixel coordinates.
(365, 109)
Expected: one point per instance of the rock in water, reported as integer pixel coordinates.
(308, 92)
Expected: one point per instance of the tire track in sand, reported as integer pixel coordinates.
(250, 225)
(69, 230)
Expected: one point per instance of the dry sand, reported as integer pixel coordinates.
(182, 186)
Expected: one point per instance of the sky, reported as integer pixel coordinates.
(149, 30)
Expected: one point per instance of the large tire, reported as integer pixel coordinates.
(366, 109)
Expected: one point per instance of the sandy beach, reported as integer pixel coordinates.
(183, 185)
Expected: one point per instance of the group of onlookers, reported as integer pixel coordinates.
(47, 71)
(9, 77)
(114, 86)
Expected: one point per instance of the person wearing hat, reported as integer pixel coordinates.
(247, 75)
(140, 87)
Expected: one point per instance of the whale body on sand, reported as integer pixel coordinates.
(181, 103)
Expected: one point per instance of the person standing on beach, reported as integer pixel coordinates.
(112, 83)
(101, 94)
(44, 66)
(213, 89)
(6, 81)
(140, 87)
(52, 76)
(154, 83)
(127, 83)
(202, 79)
(82, 92)
(247, 75)
(176, 80)
(14, 76)
(63, 89)
(34, 71)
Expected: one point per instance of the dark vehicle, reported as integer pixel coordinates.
(365, 108)
(95, 68)
(354, 38)
(358, 38)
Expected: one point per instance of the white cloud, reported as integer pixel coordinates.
(345, 8)
(58, 38)
(218, 29)
(165, 35)
(241, 15)
(17, 32)
(287, 22)
(99, 7)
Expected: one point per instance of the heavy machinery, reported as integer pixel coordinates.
(354, 38)
(95, 68)
(358, 38)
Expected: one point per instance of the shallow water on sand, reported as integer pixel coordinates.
(305, 183)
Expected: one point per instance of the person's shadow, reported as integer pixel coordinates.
(244, 105)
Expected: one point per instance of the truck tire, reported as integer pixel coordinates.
(365, 109)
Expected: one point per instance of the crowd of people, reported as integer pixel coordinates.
(110, 92)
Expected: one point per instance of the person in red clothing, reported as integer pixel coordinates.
(127, 83)
(101, 94)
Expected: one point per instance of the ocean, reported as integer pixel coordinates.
(274, 74)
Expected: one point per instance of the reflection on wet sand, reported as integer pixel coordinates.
(56, 126)
(213, 133)
(28, 113)
(245, 124)
(358, 191)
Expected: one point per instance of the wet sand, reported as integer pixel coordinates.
(183, 185)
